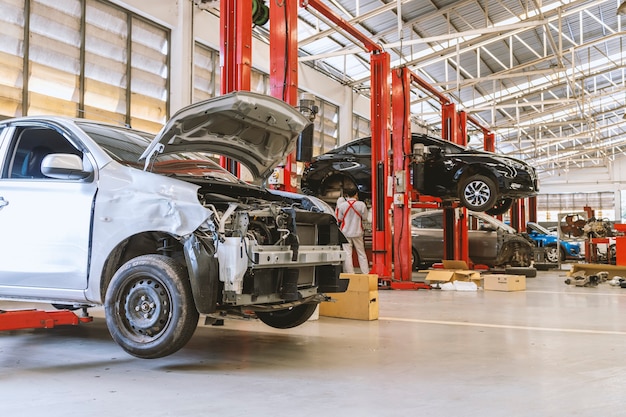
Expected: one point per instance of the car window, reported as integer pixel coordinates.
(446, 146)
(360, 148)
(29, 147)
(126, 147)
(430, 221)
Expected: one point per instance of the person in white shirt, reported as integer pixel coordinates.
(350, 214)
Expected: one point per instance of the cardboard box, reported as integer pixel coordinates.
(501, 282)
(359, 302)
(454, 271)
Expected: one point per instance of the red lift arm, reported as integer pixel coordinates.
(38, 319)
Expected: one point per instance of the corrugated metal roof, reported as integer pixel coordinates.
(491, 57)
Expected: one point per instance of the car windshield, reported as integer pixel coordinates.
(447, 146)
(126, 146)
(493, 221)
(538, 228)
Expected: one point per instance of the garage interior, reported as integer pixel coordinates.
(541, 81)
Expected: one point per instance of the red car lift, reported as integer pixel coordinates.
(284, 68)
(380, 114)
(39, 319)
(236, 54)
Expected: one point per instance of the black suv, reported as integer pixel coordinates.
(480, 181)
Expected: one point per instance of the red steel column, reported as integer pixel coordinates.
(462, 227)
(490, 142)
(284, 66)
(381, 200)
(401, 147)
(235, 53)
(449, 131)
(532, 209)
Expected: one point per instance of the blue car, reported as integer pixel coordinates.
(543, 237)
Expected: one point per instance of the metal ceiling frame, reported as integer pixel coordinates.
(550, 82)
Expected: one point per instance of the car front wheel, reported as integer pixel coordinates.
(149, 307)
(288, 318)
(553, 254)
(478, 193)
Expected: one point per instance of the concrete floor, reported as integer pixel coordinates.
(552, 350)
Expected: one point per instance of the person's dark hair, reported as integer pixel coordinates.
(350, 192)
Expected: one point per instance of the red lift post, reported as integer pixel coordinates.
(284, 67)
(380, 114)
(235, 53)
(38, 319)
(401, 147)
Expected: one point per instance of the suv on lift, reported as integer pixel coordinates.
(480, 181)
(155, 230)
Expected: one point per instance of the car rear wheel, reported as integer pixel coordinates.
(478, 193)
(415, 261)
(553, 254)
(149, 307)
(288, 318)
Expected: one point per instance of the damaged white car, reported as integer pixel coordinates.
(155, 230)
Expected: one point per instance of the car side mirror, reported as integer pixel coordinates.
(488, 227)
(64, 166)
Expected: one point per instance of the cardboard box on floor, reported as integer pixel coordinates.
(359, 302)
(454, 271)
(502, 282)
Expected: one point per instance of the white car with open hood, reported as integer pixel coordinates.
(155, 230)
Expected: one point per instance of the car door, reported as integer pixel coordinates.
(483, 240)
(427, 236)
(45, 222)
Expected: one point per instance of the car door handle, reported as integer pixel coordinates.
(3, 202)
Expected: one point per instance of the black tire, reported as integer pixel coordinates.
(478, 193)
(553, 255)
(288, 318)
(529, 272)
(149, 307)
(612, 254)
(501, 207)
(415, 259)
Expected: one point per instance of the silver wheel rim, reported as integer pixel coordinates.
(552, 255)
(477, 193)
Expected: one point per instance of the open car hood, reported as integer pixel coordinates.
(254, 129)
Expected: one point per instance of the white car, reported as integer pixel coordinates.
(155, 230)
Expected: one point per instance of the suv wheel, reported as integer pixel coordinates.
(288, 318)
(149, 307)
(478, 193)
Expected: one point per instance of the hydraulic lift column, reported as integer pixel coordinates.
(381, 199)
(284, 67)
(455, 238)
(401, 147)
(235, 53)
